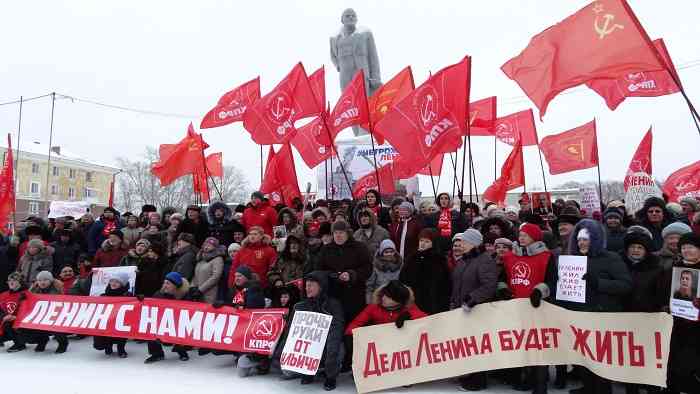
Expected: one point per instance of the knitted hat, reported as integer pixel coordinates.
(234, 246)
(532, 230)
(638, 239)
(427, 233)
(245, 271)
(689, 238)
(258, 195)
(512, 209)
(44, 275)
(504, 241)
(570, 215)
(121, 277)
(213, 241)
(385, 245)
(679, 228)
(325, 229)
(472, 237)
(187, 237)
(174, 278)
(118, 233)
(36, 243)
(143, 241)
(16, 276)
(396, 291)
(612, 212)
(692, 202)
(406, 207)
(340, 225)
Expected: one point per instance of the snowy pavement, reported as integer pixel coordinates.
(85, 370)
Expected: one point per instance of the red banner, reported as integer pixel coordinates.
(178, 322)
(520, 125)
(232, 105)
(683, 183)
(572, 150)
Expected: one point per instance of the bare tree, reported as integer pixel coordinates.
(611, 190)
(137, 186)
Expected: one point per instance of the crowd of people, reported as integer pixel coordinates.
(365, 263)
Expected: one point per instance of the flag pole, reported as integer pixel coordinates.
(464, 161)
(473, 169)
(332, 181)
(597, 155)
(14, 181)
(374, 151)
(495, 165)
(325, 175)
(48, 161)
(544, 180)
(342, 167)
(432, 181)
(455, 181)
(261, 164)
(471, 163)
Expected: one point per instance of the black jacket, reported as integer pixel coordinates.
(199, 230)
(224, 228)
(427, 274)
(64, 254)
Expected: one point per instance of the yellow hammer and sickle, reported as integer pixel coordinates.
(606, 28)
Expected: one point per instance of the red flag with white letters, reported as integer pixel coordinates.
(369, 182)
(351, 108)
(519, 125)
(683, 183)
(307, 143)
(232, 105)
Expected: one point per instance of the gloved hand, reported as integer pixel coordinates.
(467, 304)
(696, 303)
(217, 304)
(402, 319)
(504, 294)
(140, 297)
(536, 298)
(22, 296)
(591, 280)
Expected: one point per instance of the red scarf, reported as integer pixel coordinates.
(445, 222)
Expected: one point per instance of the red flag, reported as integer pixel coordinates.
(641, 161)
(639, 185)
(306, 141)
(200, 184)
(232, 105)
(482, 115)
(683, 183)
(572, 150)
(200, 178)
(386, 96)
(435, 167)
(317, 80)
(280, 180)
(512, 176)
(351, 108)
(369, 181)
(638, 84)
(432, 118)
(215, 165)
(179, 159)
(520, 125)
(7, 187)
(602, 40)
(270, 120)
(110, 200)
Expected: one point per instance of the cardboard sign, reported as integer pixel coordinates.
(590, 200)
(684, 289)
(305, 343)
(570, 286)
(76, 209)
(101, 277)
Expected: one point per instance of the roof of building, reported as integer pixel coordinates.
(38, 148)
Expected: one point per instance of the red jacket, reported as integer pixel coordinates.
(263, 215)
(109, 257)
(259, 257)
(68, 284)
(525, 272)
(375, 314)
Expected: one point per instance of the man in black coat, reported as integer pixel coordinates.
(221, 224)
(196, 224)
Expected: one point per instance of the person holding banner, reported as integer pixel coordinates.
(118, 286)
(318, 300)
(392, 303)
(112, 251)
(9, 305)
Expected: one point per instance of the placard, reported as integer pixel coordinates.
(571, 286)
(303, 350)
(684, 289)
(101, 277)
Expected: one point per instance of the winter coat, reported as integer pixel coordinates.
(427, 274)
(641, 215)
(200, 230)
(668, 259)
(351, 257)
(647, 280)
(260, 257)
(185, 292)
(458, 224)
(377, 234)
(614, 282)
(375, 313)
(295, 228)
(56, 288)
(249, 296)
(289, 268)
(131, 235)
(30, 266)
(68, 284)
(263, 215)
(383, 271)
(65, 254)
(616, 239)
(97, 233)
(222, 229)
(411, 246)
(474, 279)
(9, 302)
(327, 305)
(108, 255)
(149, 276)
(207, 273)
(132, 258)
(183, 261)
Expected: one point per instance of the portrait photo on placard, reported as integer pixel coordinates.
(684, 289)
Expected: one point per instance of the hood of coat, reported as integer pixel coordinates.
(220, 251)
(265, 240)
(384, 264)
(377, 296)
(367, 211)
(596, 233)
(292, 213)
(228, 214)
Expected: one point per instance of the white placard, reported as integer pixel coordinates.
(76, 209)
(101, 276)
(305, 343)
(590, 201)
(571, 286)
(684, 288)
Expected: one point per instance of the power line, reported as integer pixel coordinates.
(24, 100)
(128, 109)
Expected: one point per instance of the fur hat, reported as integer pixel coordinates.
(639, 229)
(148, 208)
(187, 237)
(234, 246)
(689, 238)
(638, 239)
(679, 228)
(396, 291)
(532, 230)
(32, 229)
(16, 276)
(325, 229)
(44, 275)
(118, 233)
(213, 241)
(570, 215)
(174, 278)
(143, 241)
(340, 225)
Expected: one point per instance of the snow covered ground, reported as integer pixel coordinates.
(85, 370)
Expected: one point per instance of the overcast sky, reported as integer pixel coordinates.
(180, 56)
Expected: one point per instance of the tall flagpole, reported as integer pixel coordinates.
(48, 162)
(371, 137)
(495, 165)
(544, 180)
(261, 164)
(19, 136)
(600, 184)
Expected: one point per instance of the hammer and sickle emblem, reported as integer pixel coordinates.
(278, 109)
(573, 150)
(426, 110)
(606, 28)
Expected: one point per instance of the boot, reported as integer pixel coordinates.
(16, 347)
(154, 359)
(306, 379)
(329, 384)
(560, 380)
(121, 350)
(40, 347)
(109, 350)
(183, 356)
(62, 344)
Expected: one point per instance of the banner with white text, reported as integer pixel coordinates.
(625, 347)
